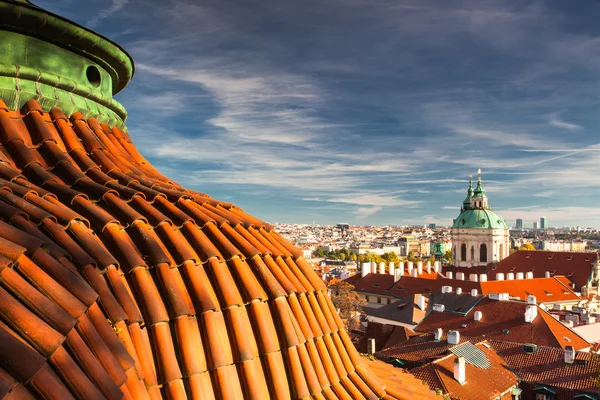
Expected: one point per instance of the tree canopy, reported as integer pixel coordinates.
(347, 302)
(527, 246)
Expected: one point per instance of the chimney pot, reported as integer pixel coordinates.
(449, 275)
(437, 335)
(529, 275)
(460, 370)
(458, 291)
(473, 277)
(477, 316)
(482, 277)
(453, 337)
(499, 276)
(569, 355)
(519, 276)
(473, 292)
(371, 346)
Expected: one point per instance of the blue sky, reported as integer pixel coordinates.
(365, 111)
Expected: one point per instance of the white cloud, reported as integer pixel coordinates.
(556, 122)
(115, 7)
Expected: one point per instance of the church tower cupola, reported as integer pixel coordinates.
(479, 235)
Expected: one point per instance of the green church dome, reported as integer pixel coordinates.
(485, 219)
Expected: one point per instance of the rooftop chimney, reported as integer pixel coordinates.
(499, 276)
(547, 274)
(382, 268)
(414, 273)
(473, 292)
(392, 269)
(437, 335)
(531, 299)
(398, 275)
(529, 275)
(477, 316)
(473, 277)
(530, 313)
(569, 355)
(453, 337)
(446, 289)
(449, 274)
(459, 370)
(420, 267)
(510, 276)
(401, 268)
(482, 277)
(519, 275)
(439, 307)
(421, 302)
(436, 267)
(458, 291)
(410, 267)
(460, 276)
(371, 346)
(366, 266)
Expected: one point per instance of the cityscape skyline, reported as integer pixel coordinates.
(288, 121)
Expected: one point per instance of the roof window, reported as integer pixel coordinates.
(529, 348)
(567, 339)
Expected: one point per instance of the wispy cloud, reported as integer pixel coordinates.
(265, 103)
(115, 7)
(555, 121)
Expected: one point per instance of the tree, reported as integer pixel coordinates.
(390, 257)
(411, 257)
(527, 247)
(353, 257)
(347, 302)
(448, 256)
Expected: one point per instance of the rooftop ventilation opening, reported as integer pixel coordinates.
(93, 76)
(529, 348)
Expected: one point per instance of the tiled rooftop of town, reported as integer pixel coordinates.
(482, 382)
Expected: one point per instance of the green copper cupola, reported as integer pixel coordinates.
(60, 63)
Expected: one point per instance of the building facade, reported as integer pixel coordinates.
(479, 235)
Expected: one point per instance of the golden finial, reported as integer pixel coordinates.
(479, 177)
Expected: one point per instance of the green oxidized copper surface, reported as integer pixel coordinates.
(479, 219)
(59, 63)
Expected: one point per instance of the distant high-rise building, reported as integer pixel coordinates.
(535, 225)
(543, 223)
(519, 224)
(431, 226)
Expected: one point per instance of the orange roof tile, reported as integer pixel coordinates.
(481, 383)
(117, 282)
(544, 289)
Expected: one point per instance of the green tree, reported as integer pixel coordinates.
(527, 246)
(347, 302)
(353, 257)
(390, 257)
(411, 257)
(448, 256)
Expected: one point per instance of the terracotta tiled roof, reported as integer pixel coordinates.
(117, 282)
(576, 266)
(419, 349)
(546, 366)
(407, 286)
(481, 383)
(544, 289)
(405, 385)
(504, 320)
